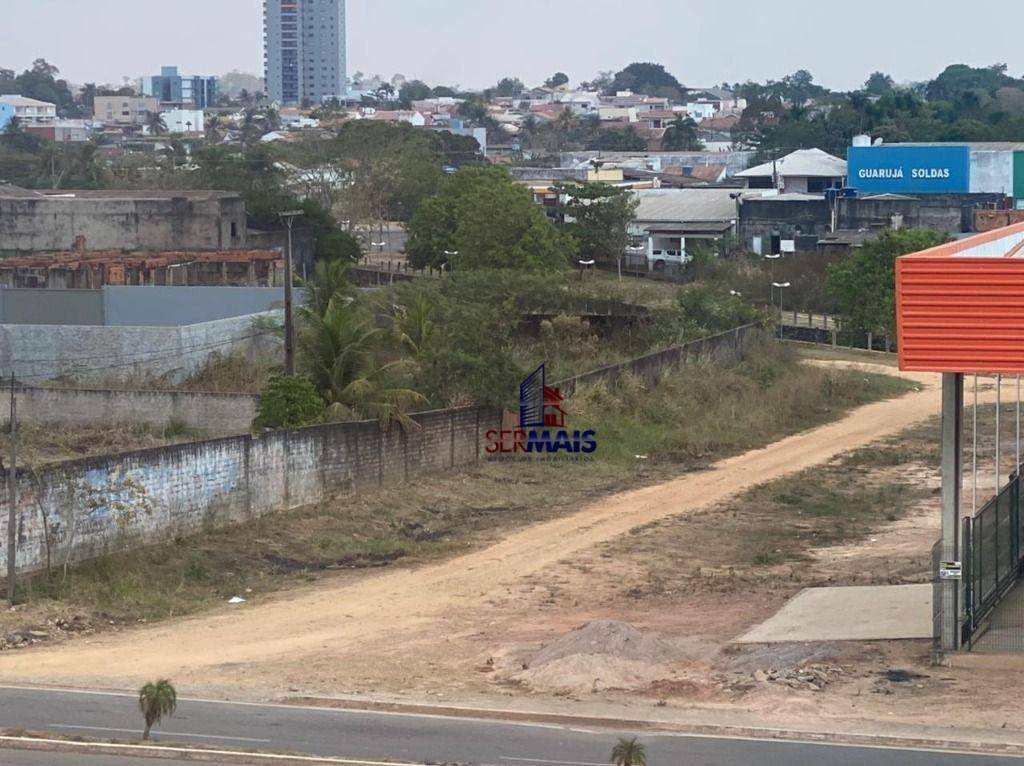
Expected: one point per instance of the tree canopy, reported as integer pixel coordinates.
(648, 79)
(863, 284)
(490, 221)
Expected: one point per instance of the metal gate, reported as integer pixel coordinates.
(991, 555)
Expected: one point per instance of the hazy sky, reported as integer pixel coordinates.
(474, 42)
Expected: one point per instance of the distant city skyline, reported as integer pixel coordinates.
(473, 44)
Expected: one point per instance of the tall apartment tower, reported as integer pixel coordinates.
(304, 50)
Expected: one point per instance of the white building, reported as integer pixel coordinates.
(31, 113)
(810, 171)
(184, 120)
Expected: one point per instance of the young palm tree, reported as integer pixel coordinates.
(629, 752)
(339, 351)
(157, 700)
(329, 282)
(415, 324)
(156, 123)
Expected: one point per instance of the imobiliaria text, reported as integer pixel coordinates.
(542, 429)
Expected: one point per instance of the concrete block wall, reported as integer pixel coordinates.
(101, 504)
(97, 505)
(43, 352)
(210, 412)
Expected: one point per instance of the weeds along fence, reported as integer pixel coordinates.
(81, 509)
(724, 347)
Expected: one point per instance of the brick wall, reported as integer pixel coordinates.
(209, 412)
(100, 504)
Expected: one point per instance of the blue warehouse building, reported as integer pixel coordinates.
(968, 168)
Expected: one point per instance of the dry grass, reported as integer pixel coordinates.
(696, 415)
(39, 445)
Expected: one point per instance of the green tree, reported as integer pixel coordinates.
(879, 84)
(600, 219)
(649, 79)
(330, 281)
(863, 284)
(629, 752)
(681, 135)
(340, 351)
(157, 700)
(507, 87)
(491, 222)
(288, 402)
(625, 140)
(557, 80)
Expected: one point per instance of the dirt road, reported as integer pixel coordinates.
(320, 637)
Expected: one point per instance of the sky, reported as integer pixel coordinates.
(473, 43)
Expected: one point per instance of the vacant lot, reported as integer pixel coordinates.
(696, 415)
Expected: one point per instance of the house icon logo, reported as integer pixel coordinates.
(540, 406)
(542, 423)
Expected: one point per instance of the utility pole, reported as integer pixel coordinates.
(12, 500)
(289, 217)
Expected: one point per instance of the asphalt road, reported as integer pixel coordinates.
(384, 736)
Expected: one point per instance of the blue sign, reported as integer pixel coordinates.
(910, 169)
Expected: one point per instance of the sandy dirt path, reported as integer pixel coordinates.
(310, 638)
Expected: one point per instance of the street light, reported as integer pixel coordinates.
(451, 261)
(634, 249)
(735, 294)
(782, 286)
(773, 259)
(289, 217)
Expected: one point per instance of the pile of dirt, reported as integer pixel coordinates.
(600, 655)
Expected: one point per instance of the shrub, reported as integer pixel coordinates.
(289, 403)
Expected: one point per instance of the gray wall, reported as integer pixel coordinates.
(237, 479)
(215, 414)
(122, 306)
(122, 221)
(174, 306)
(31, 306)
(43, 352)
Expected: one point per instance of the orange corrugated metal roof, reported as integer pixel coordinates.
(960, 306)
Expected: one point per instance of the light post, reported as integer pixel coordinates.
(735, 294)
(782, 286)
(636, 249)
(289, 217)
(772, 259)
(451, 261)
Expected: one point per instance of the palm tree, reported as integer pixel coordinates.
(629, 752)
(213, 126)
(329, 282)
(157, 125)
(157, 700)
(340, 352)
(681, 135)
(415, 324)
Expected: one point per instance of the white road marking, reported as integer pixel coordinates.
(165, 733)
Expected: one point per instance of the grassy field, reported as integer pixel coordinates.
(695, 415)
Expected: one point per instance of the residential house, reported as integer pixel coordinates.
(810, 171)
(30, 112)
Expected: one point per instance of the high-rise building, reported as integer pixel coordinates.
(187, 91)
(304, 50)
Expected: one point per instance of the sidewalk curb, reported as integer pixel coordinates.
(180, 753)
(724, 731)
